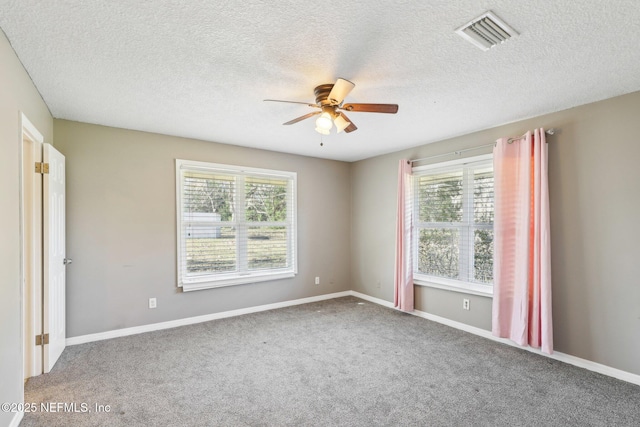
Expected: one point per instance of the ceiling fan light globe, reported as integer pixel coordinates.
(322, 131)
(324, 122)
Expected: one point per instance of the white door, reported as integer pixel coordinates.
(53, 302)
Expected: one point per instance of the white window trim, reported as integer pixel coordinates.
(222, 280)
(442, 282)
(453, 285)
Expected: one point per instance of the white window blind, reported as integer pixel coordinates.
(235, 225)
(453, 225)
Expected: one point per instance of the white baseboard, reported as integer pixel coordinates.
(197, 319)
(375, 300)
(562, 357)
(17, 418)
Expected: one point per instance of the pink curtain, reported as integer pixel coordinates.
(522, 257)
(403, 282)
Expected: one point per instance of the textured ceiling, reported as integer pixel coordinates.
(201, 69)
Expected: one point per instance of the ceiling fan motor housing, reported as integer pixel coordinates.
(322, 95)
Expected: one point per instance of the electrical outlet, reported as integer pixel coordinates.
(317, 280)
(152, 303)
(465, 304)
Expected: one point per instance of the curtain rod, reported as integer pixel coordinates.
(458, 152)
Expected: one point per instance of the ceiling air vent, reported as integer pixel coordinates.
(486, 31)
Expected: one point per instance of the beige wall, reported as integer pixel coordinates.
(121, 227)
(17, 94)
(593, 178)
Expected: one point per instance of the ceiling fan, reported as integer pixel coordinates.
(329, 102)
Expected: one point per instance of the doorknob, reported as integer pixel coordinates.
(67, 261)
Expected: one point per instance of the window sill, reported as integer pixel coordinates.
(454, 286)
(242, 280)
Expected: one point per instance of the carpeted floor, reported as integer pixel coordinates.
(342, 362)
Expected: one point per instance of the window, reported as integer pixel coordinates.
(453, 225)
(235, 225)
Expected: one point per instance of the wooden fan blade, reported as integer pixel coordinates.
(372, 108)
(351, 126)
(301, 118)
(339, 91)
(291, 102)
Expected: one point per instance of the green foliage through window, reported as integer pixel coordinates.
(265, 200)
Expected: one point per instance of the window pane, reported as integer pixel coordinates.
(211, 250)
(438, 252)
(267, 247)
(440, 197)
(483, 196)
(236, 224)
(206, 193)
(265, 199)
(483, 256)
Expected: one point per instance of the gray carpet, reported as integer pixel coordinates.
(343, 362)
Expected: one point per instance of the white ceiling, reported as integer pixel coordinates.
(200, 69)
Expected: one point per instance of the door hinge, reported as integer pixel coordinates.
(42, 168)
(42, 338)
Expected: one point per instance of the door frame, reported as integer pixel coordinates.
(30, 293)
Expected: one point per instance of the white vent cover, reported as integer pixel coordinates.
(486, 31)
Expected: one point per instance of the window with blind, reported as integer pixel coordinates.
(453, 224)
(236, 225)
